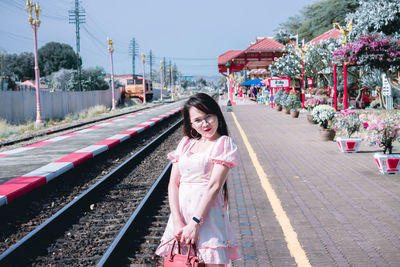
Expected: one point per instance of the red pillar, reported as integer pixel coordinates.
(272, 98)
(302, 82)
(345, 85)
(334, 87)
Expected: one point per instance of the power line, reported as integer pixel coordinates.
(99, 44)
(19, 37)
(187, 58)
(17, 6)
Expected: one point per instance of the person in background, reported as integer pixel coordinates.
(255, 93)
(197, 189)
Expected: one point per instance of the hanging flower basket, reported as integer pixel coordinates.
(388, 163)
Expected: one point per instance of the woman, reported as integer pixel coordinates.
(200, 166)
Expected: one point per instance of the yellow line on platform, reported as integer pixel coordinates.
(292, 241)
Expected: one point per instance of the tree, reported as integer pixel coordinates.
(288, 65)
(282, 36)
(385, 18)
(187, 83)
(375, 51)
(222, 82)
(317, 18)
(318, 60)
(93, 79)
(54, 56)
(18, 67)
(67, 80)
(201, 82)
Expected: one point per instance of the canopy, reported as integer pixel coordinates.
(253, 82)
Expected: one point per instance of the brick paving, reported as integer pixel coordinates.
(345, 213)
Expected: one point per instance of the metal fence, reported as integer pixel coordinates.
(20, 106)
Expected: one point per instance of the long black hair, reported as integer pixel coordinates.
(206, 104)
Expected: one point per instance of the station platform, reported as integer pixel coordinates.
(294, 200)
(298, 201)
(24, 168)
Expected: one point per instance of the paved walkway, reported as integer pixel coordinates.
(341, 211)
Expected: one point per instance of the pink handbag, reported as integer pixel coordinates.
(179, 260)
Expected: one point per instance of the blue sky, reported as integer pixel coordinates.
(192, 34)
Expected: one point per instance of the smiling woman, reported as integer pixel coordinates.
(197, 189)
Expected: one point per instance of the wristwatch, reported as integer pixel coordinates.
(198, 221)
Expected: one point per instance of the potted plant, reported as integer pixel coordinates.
(384, 132)
(293, 103)
(323, 115)
(277, 100)
(311, 103)
(348, 122)
(283, 102)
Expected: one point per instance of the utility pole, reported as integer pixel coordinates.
(165, 72)
(170, 73)
(172, 82)
(77, 17)
(144, 79)
(161, 79)
(133, 51)
(151, 61)
(111, 50)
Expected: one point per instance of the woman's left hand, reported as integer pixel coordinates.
(190, 233)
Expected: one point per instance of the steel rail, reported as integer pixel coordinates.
(49, 230)
(119, 247)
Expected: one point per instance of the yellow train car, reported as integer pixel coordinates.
(134, 88)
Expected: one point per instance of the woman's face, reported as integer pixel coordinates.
(204, 124)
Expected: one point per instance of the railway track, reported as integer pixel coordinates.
(81, 232)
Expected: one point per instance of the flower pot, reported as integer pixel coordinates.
(388, 163)
(348, 145)
(279, 108)
(311, 119)
(286, 110)
(327, 134)
(294, 113)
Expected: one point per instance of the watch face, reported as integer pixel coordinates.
(196, 220)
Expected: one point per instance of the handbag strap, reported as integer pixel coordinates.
(179, 251)
(163, 244)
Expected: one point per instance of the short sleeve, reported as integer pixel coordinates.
(174, 155)
(225, 152)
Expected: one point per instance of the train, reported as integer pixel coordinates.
(134, 88)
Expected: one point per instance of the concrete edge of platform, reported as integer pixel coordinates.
(21, 185)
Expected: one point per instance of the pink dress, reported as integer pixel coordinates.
(216, 244)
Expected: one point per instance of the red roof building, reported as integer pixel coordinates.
(333, 33)
(32, 83)
(257, 56)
